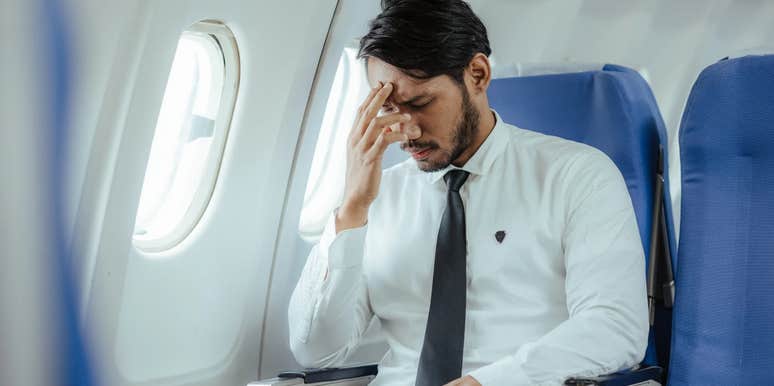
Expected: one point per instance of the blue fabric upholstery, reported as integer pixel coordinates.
(613, 110)
(723, 330)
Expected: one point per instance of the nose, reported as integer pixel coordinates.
(410, 128)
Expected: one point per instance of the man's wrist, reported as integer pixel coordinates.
(350, 216)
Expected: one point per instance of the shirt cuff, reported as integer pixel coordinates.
(345, 249)
(500, 373)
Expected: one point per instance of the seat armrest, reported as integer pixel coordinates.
(358, 375)
(650, 376)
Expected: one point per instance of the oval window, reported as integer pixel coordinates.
(190, 136)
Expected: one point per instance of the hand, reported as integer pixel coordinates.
(367, 142)
(464, 381)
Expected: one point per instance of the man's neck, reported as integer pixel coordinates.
(485, 127)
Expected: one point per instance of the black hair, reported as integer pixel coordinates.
(426, 38)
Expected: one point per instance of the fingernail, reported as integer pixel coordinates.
(407, 116)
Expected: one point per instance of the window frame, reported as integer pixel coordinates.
(224, 38)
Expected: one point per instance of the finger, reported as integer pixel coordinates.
(370, 96)
(373, 107)
(355, 133)
(378, 125)
(383, 141)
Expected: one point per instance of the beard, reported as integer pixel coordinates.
(462, 137)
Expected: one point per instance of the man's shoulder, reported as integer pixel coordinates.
(572, 168)
(551, 149)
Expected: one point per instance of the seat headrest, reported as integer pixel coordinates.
(731, 110)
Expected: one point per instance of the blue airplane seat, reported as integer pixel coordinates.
(612, 109)
(723, 330)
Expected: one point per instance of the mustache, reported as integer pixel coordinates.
(412, 145)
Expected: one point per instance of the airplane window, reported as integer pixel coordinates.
(190, 136)
(325, 186)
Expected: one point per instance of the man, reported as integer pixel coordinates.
(494, 255)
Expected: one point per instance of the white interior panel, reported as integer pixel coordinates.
(350, 22)
(193, 314)
(96, 38)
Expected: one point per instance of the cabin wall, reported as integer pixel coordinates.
(191, 314)
(349, 23)
(96, 29)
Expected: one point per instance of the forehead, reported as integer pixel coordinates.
(405, 86)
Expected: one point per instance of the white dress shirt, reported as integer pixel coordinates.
(562, 295)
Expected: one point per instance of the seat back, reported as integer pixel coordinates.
(723, 331)
(612, 109)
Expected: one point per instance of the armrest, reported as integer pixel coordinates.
(359, 375)
(641, 376)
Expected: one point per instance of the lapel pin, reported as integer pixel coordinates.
(500, 236)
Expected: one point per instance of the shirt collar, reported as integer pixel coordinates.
(481, 161)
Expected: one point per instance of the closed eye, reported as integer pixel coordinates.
(413, 106)
(417, 106)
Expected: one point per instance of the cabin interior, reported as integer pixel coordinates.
(199, 148)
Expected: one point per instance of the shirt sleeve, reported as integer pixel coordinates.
(607, 328)
(329, 309)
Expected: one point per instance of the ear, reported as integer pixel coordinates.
(479, 73)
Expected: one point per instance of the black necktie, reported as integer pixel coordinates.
(441, 358)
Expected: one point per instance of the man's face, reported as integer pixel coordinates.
(443, 120)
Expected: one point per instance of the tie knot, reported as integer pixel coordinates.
(455, 178)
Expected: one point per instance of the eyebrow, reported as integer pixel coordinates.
(413, 99)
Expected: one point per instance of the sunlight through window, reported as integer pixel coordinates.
(189, 138)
